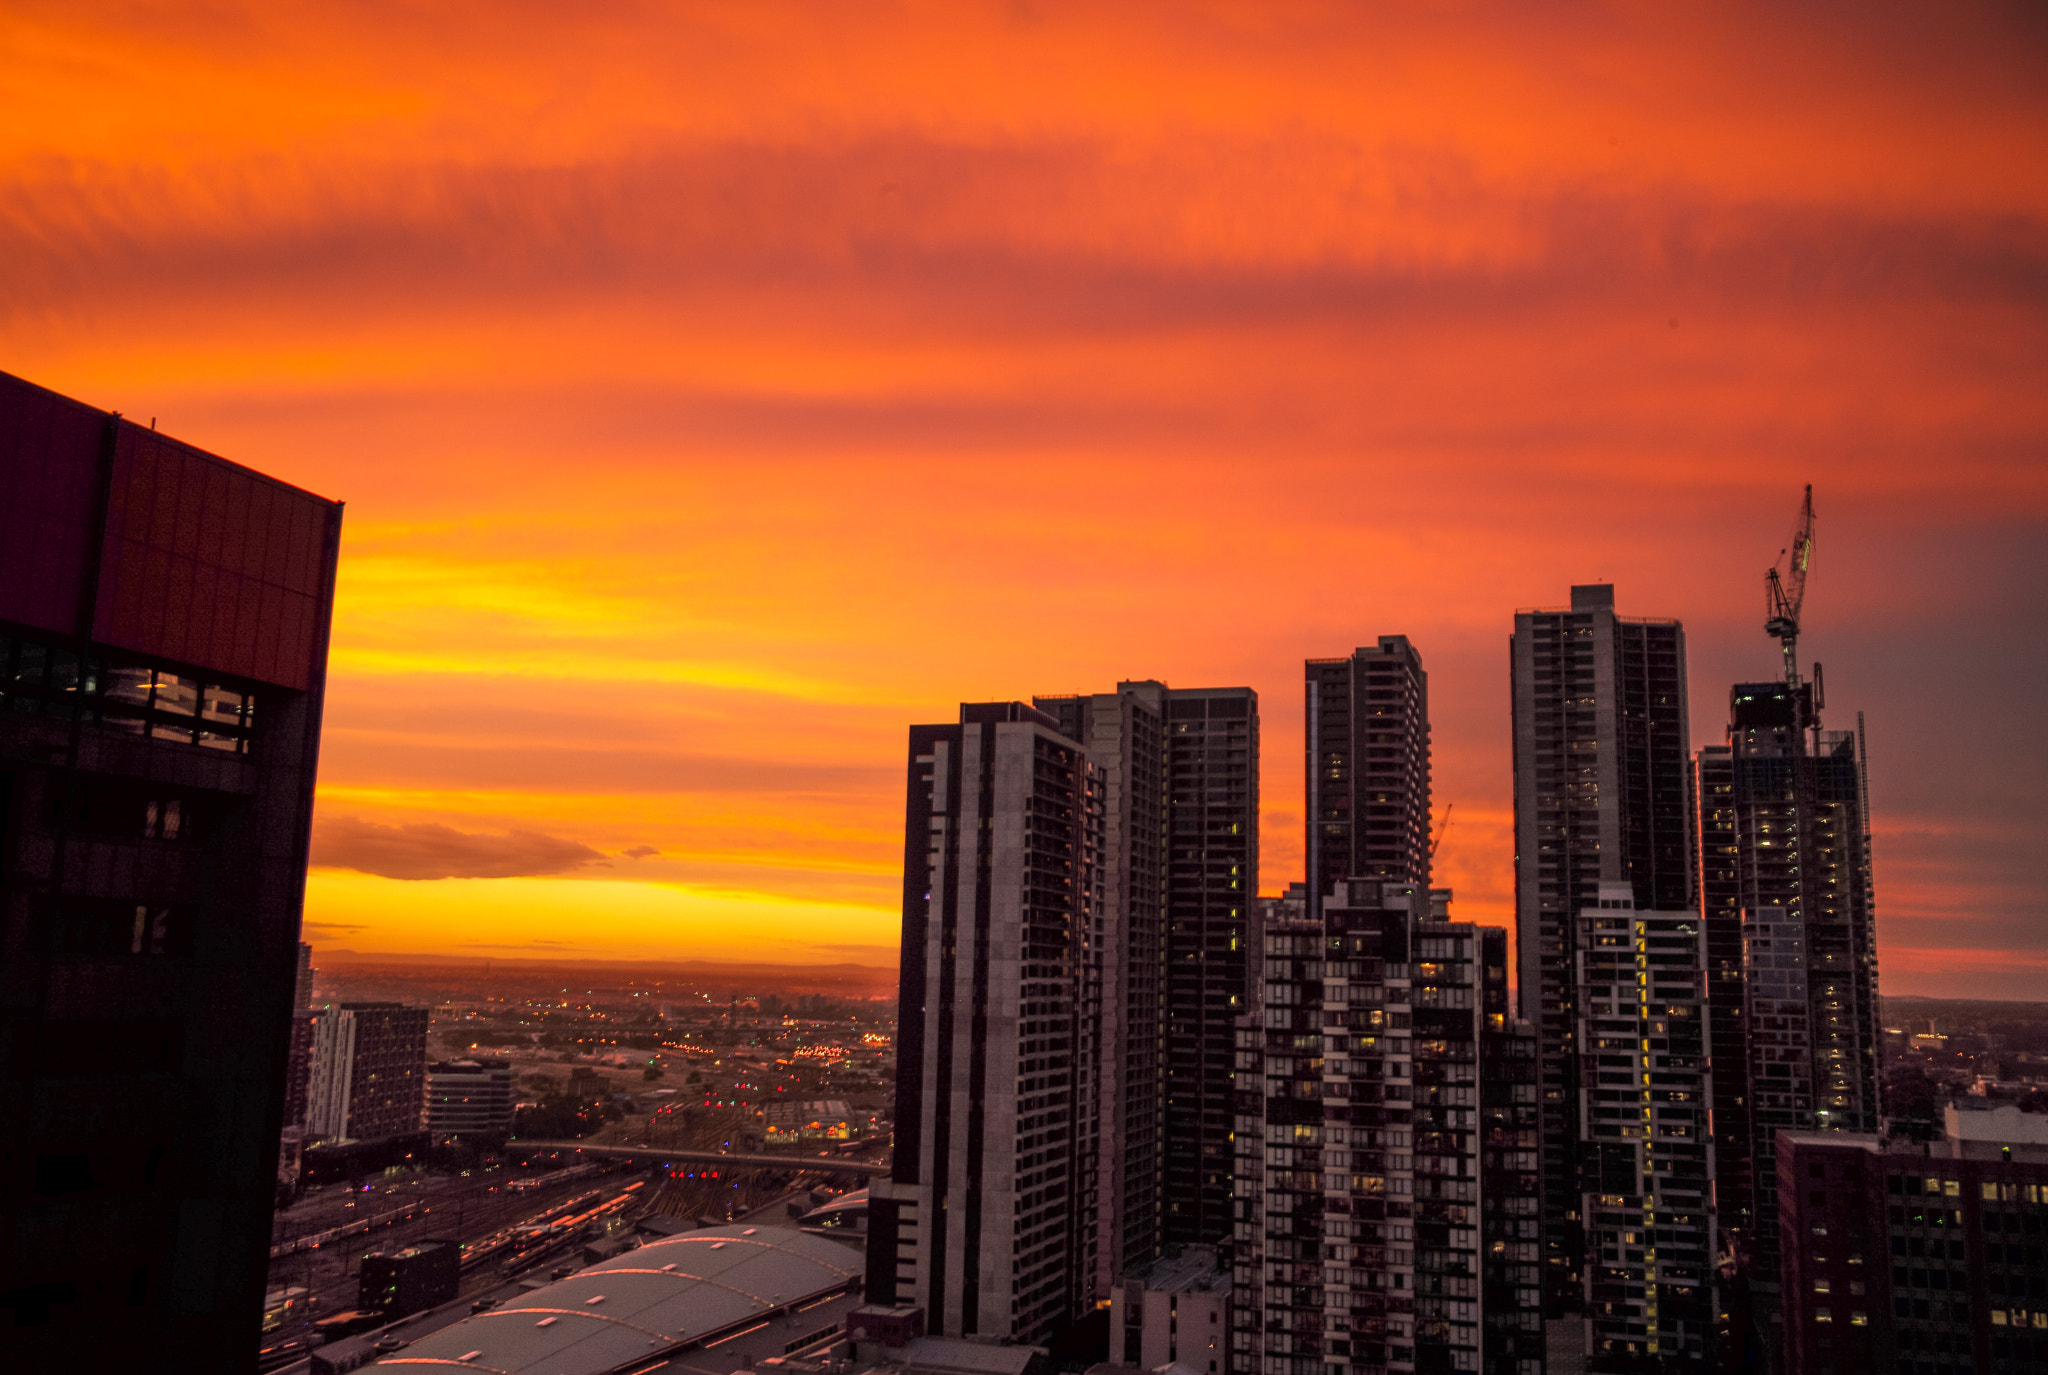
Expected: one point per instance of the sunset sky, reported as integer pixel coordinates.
(718, 389)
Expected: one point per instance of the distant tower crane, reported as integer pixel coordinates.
(1445, 830)
(1786, 593)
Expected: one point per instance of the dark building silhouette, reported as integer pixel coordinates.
(986, 1227)
(163, 645)
(1368, 767)
(1602, 794)
(1785, 895)
(1510, 1182)
(411, 1279)
(1212, 875)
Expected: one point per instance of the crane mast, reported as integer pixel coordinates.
(1785, 593)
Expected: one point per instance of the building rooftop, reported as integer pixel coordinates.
(670, 1295)
(2001, 1124)
(950, 1356)
(1192, 1270)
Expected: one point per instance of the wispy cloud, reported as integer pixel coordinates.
(427, 850)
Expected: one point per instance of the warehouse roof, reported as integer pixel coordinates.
(669, 1294)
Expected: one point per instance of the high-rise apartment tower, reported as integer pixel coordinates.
(1368, 767)
(1181, 783)
(1644, 1090)
(1212, 874)
(368, 1078)
(1124, 734)
(1366, 1223)
(1785, 895)
(163, 650)
(987, 1222)
(1601, 795)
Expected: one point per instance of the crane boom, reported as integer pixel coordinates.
(1785, 593)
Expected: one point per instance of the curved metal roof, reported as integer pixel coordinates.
(668, 1293)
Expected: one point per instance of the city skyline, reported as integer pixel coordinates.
(1312, 331)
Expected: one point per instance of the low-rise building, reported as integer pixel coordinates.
(411, 1280)
(1175, 1309)
(470, 1098)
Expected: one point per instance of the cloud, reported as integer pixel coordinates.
(426, 850)
(640, 852)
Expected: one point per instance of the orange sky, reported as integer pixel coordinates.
(717, 389)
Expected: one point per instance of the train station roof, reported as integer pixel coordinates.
(668, 1296)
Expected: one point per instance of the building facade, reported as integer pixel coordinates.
(1920, 1258)
(369, 1072)
(986, 1224)
(1124, 736)
(1602, 794)
(1360, 1194)
(1510, 1178)
(1368, 767)
(1174, 1309)
(468, 1098)
(1645, 1089)
(1785, 894)
(163, 645)
(298, 1067)
(1212, 872)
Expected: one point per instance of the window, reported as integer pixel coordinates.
(141, 699)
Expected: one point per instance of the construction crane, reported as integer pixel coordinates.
(1443, 831)
(1786, 592)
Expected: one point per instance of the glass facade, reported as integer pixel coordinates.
(38, 678)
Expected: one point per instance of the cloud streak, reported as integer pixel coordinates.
(703, 426)
(427, 850)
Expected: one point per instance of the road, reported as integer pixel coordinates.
(824, 1164)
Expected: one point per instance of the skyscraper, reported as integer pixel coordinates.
(1601, 795)
(1362, 1198)
(163, 647)
(987, 1221)
(1785, 895)
(1181, 786)
(1123, 734)
(1368, 767)
(1647, 1191)
(1212, 874)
